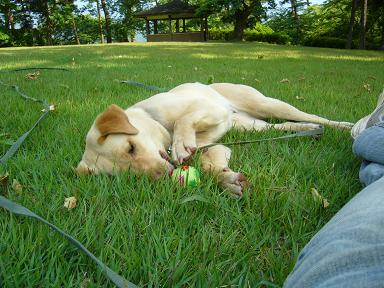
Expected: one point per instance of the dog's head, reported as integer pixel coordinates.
(120, 140)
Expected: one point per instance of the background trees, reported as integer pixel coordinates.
(336, 23)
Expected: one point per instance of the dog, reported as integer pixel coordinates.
(187, 117)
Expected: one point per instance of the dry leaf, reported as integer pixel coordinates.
(301, 78)
(16, 186)
(70, 202)
(318, 198)
(32, 76)
(372, 77)
(4, 179)
(257, 80)
(285, 80)
(301, 98)
(51, 108)
(367, 87)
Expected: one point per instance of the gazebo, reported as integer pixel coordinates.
(175, 11)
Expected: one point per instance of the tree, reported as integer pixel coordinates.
(363, 23)
(107, 21)
(296, 6)
(351, 24)
(99, 22)
(241, 13)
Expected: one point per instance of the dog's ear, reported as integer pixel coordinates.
(114, 121)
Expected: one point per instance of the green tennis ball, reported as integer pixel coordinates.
(186, 176)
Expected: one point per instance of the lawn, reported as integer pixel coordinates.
(144, 230)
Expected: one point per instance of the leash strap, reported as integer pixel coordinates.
(21, 210)
(141, 85)
(35, 68)
(310, 133)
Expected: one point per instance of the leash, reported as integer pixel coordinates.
(18, 209)
(35, 68)
(21, 210)
(309, 133)
(141, 85)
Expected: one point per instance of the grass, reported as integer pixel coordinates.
(141, 229)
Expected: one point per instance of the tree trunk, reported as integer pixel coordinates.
(363, 23)
(9, 22)
(382, 37)
(49, 24)
(351, 23)
(107, 21)
(241, 18)
(99, 21)
(74, 27)
(296, 19)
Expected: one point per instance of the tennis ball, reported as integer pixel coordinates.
(186, 176)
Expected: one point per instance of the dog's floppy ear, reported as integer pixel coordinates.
(114, 121)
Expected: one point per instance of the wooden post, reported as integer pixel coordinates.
(155, 31)
(183, 25)
(177, 26)
(206, 29)
(147, 26)
(170, 27)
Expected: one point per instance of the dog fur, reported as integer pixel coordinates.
(187, 117)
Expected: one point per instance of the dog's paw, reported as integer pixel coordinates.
(234, 182)
(182, 151)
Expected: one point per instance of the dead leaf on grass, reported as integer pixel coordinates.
(318, 198)
(32, 76)
(257, 80)
(372, 77)
(70, 202)
(301, 79)
(301, 98)
(51, 108)
(4, 179)
(367, 87)
(16, 186)
(285, 80)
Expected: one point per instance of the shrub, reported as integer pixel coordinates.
(323, 41)
(274, 37)
(4, 39)
(260, 33)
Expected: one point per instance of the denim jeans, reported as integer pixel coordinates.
(369, 146)
(349, 250)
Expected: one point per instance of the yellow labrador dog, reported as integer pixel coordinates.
(187, 117)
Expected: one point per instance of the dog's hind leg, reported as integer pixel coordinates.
(243, 121)
(215, 160)
(251, 101)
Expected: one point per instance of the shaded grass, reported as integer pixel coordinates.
(140, 228)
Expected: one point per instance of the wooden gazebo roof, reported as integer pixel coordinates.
(176, 8)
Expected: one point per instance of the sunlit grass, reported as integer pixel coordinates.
(140, 228)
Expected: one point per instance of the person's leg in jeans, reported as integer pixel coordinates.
(349, 250)
(369, 145)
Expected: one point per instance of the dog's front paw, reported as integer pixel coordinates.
(182, 151)
(234, 182)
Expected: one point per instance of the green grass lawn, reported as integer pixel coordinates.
(141, 229)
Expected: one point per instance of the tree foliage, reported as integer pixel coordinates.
(57, 22)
